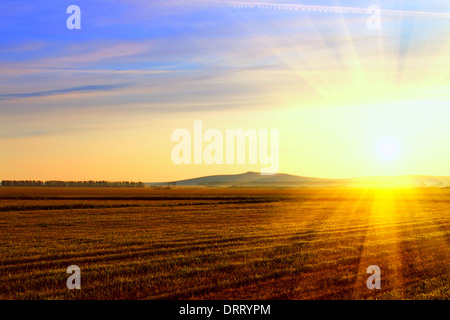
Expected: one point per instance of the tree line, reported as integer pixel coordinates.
(83, 184)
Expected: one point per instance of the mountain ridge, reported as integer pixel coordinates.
(255, 179)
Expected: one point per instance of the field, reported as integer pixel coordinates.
(203, 243)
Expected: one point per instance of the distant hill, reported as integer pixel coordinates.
(255, 179)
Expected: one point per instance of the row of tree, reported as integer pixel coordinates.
(84, 184)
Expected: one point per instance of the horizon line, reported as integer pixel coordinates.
(228, 174)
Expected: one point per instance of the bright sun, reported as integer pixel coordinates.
(387, 149)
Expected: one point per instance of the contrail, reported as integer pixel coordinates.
(267, 5)
(333, 9)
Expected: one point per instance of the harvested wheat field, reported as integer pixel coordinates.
(203, 243)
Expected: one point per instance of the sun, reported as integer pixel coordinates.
(387, 149)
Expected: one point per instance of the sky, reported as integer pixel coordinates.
(102, 102)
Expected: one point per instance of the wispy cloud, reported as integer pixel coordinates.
(271, 5)
(88, 88)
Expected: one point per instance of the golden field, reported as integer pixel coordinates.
(229, 243)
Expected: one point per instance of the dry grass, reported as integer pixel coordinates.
(224, 243)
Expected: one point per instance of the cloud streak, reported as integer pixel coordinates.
(273, 5)
(88, 88)
(335, 9)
